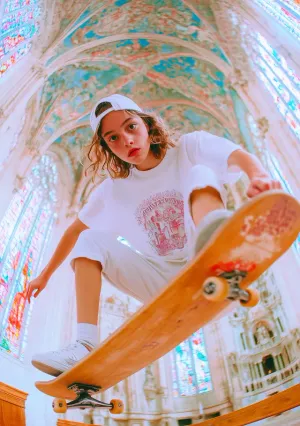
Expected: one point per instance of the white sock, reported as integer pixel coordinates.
(87, 333)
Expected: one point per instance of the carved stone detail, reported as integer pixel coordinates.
(19, 182)
(263, 126)
(237, 79)
(231, 32)
(150, 387)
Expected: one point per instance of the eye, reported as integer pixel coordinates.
(132, 126)
(113, 138)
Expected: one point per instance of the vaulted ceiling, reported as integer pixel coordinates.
(165, 54)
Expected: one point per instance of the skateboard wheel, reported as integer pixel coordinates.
(215, 289)
(253, 298)
(117, 406)
(59, 405)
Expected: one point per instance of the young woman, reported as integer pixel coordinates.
(164, 199)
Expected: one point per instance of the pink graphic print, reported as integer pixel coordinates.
(162, 217)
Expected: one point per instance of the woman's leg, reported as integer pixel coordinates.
(88, 287)
(203, 201)
(205, 210)
(95, 253)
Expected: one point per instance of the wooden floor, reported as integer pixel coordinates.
(268, 407)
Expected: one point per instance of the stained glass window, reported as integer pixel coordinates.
(279, 78)
(286, 12)
(281, 81)
(24, 234)
(190, 368)
(19, 24)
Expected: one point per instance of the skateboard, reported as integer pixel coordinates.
(241, 250)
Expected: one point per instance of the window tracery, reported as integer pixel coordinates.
(25, 230)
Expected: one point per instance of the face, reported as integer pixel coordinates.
(127, 137)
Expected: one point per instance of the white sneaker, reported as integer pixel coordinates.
(56, 362)
(205, 229)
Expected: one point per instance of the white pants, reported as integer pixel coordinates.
(131, 272)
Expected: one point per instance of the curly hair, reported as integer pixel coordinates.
(101, 156)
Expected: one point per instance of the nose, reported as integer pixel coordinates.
(128, 140)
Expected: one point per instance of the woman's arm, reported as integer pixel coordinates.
(248, 163)
(65, 245)
(260, 179)
(63, 249)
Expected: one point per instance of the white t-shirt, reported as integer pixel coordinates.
(147, 208)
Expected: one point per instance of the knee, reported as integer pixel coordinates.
(201, 177)
(92, 247)
(207, 191)
(85, 262)
(201, 171)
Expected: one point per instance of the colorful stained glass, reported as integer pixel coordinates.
(288, 89)
(190, 368)
(18, 26)
(24, 233)
(12, 5)
(280, 61)
(294, 125)
(13, 59)
(15, 20)
(280, 80)
(18, 37)
(287, 13)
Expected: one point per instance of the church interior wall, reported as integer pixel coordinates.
(243, 347)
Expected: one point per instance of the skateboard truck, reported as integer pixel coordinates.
(227, 286)
(85, 400)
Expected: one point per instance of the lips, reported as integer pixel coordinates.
(133, 152)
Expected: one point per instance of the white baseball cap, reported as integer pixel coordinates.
(118, 102)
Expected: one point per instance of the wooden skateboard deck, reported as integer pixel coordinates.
(268, 407)
(244, 247)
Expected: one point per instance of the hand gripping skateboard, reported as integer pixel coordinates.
(240, 251)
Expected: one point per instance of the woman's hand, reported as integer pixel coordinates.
(36, 286)
(260, 184)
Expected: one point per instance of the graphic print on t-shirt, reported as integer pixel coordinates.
(162, 217)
